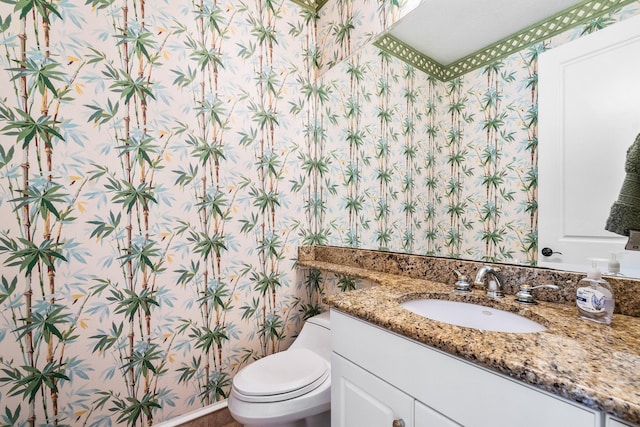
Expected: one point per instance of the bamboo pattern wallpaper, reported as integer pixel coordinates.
(347, 25)
(161, 161)
(151, 198)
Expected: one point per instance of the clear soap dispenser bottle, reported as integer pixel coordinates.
(613, 266)
(594, 297)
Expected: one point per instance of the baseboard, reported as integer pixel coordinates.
(189, 417)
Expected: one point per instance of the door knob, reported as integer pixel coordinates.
(549, 252)
(398, 423)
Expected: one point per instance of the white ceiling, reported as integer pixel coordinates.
(448, 30)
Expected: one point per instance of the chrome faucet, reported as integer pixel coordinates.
(492, 272)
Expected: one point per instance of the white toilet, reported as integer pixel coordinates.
(291, 388)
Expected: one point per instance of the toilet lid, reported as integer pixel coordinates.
(281, 376)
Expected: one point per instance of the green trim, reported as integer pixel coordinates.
(403, 51)
(531, 35)
(312, 5)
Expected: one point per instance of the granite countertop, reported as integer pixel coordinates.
(589, 363)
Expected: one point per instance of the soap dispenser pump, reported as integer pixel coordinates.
(594, 297)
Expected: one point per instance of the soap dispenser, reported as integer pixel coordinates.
(594, 297)
(613, 265)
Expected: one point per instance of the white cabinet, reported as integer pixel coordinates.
(365, 400)
(439, 386)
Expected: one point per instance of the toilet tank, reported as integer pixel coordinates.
(322, 319)
(316, 336)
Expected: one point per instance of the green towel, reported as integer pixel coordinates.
(625, 212)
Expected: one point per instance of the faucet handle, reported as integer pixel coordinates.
(462, 284)
(525, 294)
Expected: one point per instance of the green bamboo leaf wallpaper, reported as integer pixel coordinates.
(161, 161)
(150, 188)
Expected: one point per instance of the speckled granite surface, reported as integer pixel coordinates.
(595, 365)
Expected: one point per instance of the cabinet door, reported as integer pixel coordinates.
(360, 399)
(427, 417)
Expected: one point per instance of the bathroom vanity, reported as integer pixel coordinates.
(383, 379)
(393, 367)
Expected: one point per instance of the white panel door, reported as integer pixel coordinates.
(360, 399)
(589, 115)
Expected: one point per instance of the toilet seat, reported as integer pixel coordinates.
(281, 376)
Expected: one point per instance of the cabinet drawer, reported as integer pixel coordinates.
(466, 393)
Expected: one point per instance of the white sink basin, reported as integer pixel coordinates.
(472, 316)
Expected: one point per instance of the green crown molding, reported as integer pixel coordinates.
(533, 34)
(312, 5)
(411, 56)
